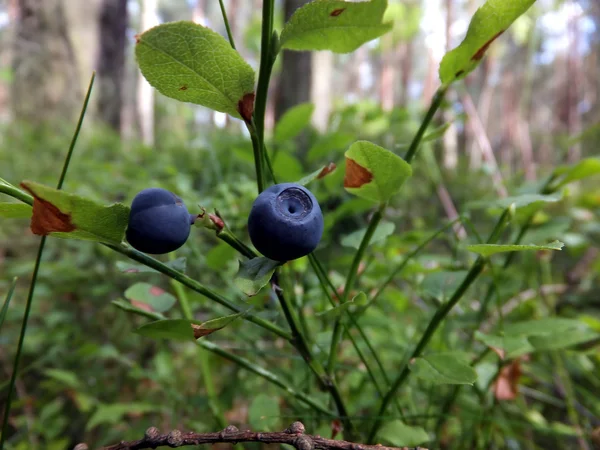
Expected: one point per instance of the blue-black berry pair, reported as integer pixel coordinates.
(285, 222)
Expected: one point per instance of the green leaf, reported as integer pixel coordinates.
(548, 333)
(359, 299)
(583, 169)
(114, 413)
(254, 273)
(69, 216)
(512, 345)
(335, 25)
(374, 173)
(518, 201)
(151, 298)
(219, 256)
(287, 167)
(489, 22)
(176, 329)
(354, 239)
(490, 249)
(552, 341)
(399, 434)
(213, 325)
(264, 413)
(317, 174)
(192, 63)
(15, 211)
(65, 377)
(128, 307)
(178, 264)
(9, 295)
(437, 284)
(443, 368)
(436, 133)
(293, 121)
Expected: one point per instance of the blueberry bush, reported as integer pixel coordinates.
(404, 337)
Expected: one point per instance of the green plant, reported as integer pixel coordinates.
(374, 175)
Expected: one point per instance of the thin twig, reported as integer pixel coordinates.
(293, 435)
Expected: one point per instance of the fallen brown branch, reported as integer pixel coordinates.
(293, 435)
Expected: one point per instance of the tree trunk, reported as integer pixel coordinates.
(145, 92)
(46, 84)
(111, 61)
(321, 89)
(295, 78)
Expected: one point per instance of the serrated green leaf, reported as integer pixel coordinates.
(264, 413)
(354, 239)
(192, 63)
(335, 25)
(317, 174)
(15, 211)
(399, 434)
(178, 264)
(70, 216)
(491, 249)
(128, 307)
(255, 273)
(374, 173)
(443, 368)
(293, 121)
(583, 169)
(488, 22)
(176, 329)
(149, 297)
(359, 299)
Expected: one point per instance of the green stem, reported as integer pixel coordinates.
(224, 13)
(36, 268)
(15, 192)
(301, 345)
(436, 321)
(232, 240)
(197, 287)
(266, 65)
(435, 104)
(350, 279)
(264, 373)
(258, 159)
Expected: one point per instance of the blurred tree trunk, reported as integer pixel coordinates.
(111, 61)
(46, 84)
(296, 73)
(145, 92)
(321, 89)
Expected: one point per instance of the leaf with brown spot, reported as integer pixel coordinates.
(479, 54)
(337, 12)
(65, 215)
(506, 386)
(374, 173)
(183, 88)
(143, 306)
(326, 170)
(213, 325)
(356, 175)
(488, 22)
(246, 107)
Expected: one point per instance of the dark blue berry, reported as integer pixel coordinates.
(285, 222)
(159, 222)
